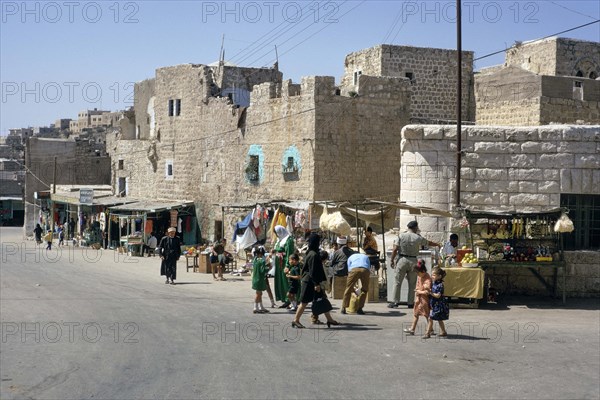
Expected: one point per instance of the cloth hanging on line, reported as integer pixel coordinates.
(247, 240)
(241, 225)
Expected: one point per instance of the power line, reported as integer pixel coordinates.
(545, 37)
(569, 9)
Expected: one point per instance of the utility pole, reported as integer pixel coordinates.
(53, 192)
(458, 100)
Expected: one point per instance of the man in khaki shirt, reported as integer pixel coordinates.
(407, 248)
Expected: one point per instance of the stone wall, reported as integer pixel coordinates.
(356, 137)
(538, 56)
(513, 96)
(503, 168)
(557, 56)
(433, 83)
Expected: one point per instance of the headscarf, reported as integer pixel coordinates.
(281, 232)
(314, 240)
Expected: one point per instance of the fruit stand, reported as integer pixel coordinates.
(519, 240)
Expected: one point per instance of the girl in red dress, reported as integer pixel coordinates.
(422, 291)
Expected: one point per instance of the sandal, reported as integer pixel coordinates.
(445, 334)
(317, 322)
(332, 322)
(427, 335)
(297, 325)
(410, 332)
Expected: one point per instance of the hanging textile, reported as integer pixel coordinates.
(247, 240)
(242, 225)
(149, 226)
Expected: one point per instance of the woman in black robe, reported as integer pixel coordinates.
(312, 276)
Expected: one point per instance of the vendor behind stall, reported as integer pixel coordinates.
(449, 251)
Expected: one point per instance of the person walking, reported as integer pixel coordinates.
(359, 269)
(438, 304)
(170, 251)
(48, 239)
(312, 276)
(37, 231)
(407, 248)
(422, 290)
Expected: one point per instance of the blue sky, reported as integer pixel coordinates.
(60, 57)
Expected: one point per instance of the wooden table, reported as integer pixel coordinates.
(194, 259)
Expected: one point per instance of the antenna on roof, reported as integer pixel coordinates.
(222, 52)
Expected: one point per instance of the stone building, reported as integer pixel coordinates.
(432, 74)
(542, 82)
(75, 164)
(90, 119)
(511, 169)
(195, 139)
(556, 56)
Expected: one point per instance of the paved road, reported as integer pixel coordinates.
(91, 325)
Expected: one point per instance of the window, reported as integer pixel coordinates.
(121, 164)
(593, 75)
(410, 76)
(252, 169)
(174, 108)
(355, 78)
(584, 211)
(169, 169)
(122, 189)
(578, 90)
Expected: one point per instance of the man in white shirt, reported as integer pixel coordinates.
(150, 245)
(450, 249)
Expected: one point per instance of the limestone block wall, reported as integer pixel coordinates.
(357, 139)
(433, 83)
(145, 117)
(557, 56)
(516, 97)
(538, 56)
(503, 168)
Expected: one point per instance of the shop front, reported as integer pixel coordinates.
(132, 224)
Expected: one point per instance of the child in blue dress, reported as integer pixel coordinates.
(438, 303)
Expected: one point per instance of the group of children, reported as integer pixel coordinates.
(260, 282)
(429, 300)
(429, 293)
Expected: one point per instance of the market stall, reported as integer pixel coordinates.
(523, 240)
(131, 224)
